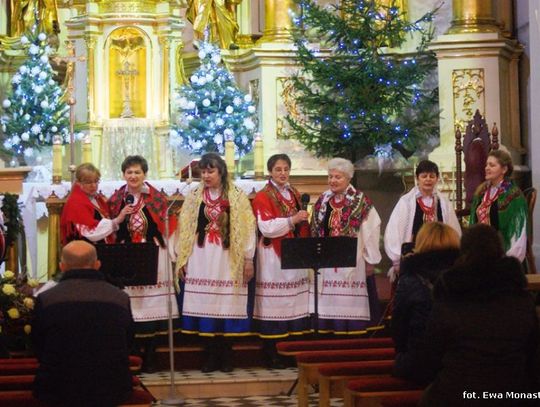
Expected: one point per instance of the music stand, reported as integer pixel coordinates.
(129, 264)
(317, 253)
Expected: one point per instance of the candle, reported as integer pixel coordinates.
(87, 150)
(57, 159)
(189, 173)
(258, 157)
(229, 156)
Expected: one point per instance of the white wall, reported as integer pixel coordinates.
(533, 90)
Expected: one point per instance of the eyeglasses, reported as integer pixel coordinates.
(90, 182)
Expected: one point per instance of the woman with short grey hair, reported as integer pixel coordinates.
(343, 165)
(348, 302)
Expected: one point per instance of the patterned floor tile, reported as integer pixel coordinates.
(255, 401)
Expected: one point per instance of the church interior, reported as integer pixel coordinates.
(126, 78)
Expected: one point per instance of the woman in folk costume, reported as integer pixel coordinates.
(86, 213)
(422, 204)
(348, 302)
(281, 296)
(215, 261)
(500, 203)
(145, 224)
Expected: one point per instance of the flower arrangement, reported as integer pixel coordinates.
(16, 310)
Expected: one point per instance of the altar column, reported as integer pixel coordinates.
(277, 21)
(164, 157)
(478, 69)
(94, 131)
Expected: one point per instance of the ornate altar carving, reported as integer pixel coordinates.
(127, 73)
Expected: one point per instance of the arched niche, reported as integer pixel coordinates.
(127, 50)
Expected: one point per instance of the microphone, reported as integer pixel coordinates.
(129, 201)
(305, 201)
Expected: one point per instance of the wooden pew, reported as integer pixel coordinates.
(309, 362)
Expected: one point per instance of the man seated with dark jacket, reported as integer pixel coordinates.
(82, 335)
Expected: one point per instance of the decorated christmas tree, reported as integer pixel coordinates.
(354, 94)
(34, 111)
(212, 109)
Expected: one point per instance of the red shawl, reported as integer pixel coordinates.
(267, 205)
(79, 210)
(154, 201)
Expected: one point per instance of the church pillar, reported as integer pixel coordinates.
(54, 206)
(472, 16)
(477, 69)
(162, 130)
(90, 40)
(277, 21)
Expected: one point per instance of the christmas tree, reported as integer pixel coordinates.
(212, 109)
(34, 111)
(354, 95)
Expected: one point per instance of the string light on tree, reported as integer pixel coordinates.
(212, 109)
(363, 98)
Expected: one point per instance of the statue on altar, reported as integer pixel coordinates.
(23, 16)
(217, 15)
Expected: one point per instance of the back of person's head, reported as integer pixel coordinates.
(481, 244)
(436, 236)
(78, 254)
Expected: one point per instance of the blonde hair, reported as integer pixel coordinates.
(86, 169)
(436, 236)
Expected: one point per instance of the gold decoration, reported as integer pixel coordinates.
(23, 16)
(288, 106)
(229, 157)
(216, 15)
(91, 46)
(181, 78)
(165, 44)
(127, 73)
(255, 93)
(468, 88)
(258, 157)
(473, 16)
(109, 6)
(54, 206)
(277, 20)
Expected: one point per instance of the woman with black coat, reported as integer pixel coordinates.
(483, 329)
(437, 247)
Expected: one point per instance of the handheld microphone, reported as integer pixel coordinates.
(129, 201)
(305, 201)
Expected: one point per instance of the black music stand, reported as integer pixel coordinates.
(317, 253)
(129, 264)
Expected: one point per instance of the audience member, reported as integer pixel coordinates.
(482, 334)
(82, 333)
(437, 247)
